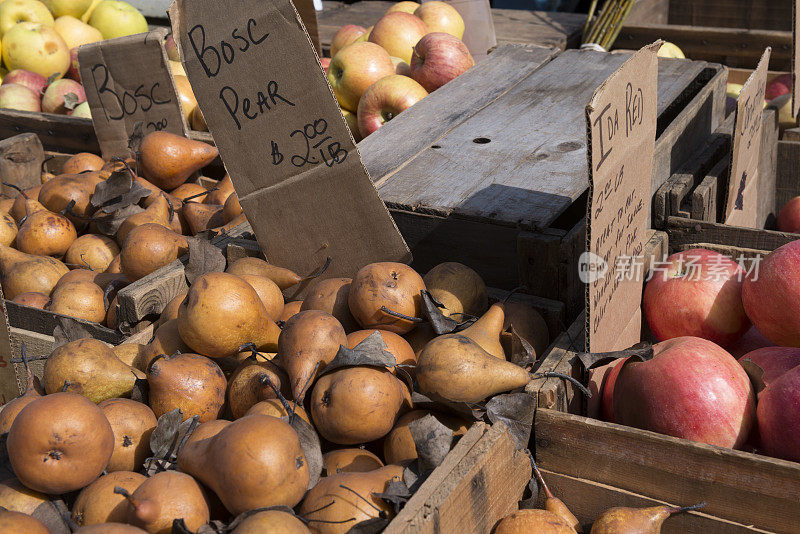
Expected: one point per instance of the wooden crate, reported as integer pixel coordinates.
(490, 170)
(744, 492)
(751, 15)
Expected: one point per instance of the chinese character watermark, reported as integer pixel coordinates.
(592, 267)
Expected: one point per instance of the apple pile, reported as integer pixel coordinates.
(39, 42)
(706, 311)
(378, 72)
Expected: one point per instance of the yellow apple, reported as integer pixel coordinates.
(115, 18)
(76, 33)
(37, 48)
(82, 110)
(73, 8)
(363, 38)
(397, 33)
(406, 6)
(176, 67)
(85, 17)
(670, 50)
(441, 17)
(13, 12)
(352, 123)
(401, 67)
(354, 68)
(186, 96)
(733, 89)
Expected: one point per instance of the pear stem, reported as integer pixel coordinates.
(18, 188)
(46, 159)
(673, 510)
(149, 367)
(381, 513)
(540, 479)
(197, 195)
(264, 379)
(66, 386)
(387, 311)
(249, 347)
(511, 293)
(171, 208)
(552, 374)
(119, 490)
(324, 268)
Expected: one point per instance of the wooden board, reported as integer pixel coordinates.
(56, 132)
(683, 231)
(44, 322)
(787, 175)
(752, 14)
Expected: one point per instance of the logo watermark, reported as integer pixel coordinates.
(592, 268)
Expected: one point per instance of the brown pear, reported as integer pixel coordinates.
(114, 267)
(82, 300)
(399, 447)
(232, 209)
(189, 189)
(25, 273)
(5, 205)
(254, 462)
(22, 208)
(539, 521)
(459, 288)
(149, 247)
(349, 461)
(419, 337)
(269, 293)
(290, 309)
(528, 324)
(379, 288)
(166, 340)
(622, 520)
(33, 391)
(197, 121)
(206, 430)
(554, 504)
(14, 496)
(76, 276)
(221, 313)
(92, 369)
(157, 213)
(97, 503)
(132, 423)
(19, 523)
(155, 192)
(59, 443)
(33, 299)
(486, 331)
(110, 528)
(339, 502)
(283, 277)
(191, 382)
(168, 160)
(355, 405)
(170, 311)
(275, 408)
(58, 193)
(270, 521)
(456, 368)
(224, 189)
(227, 227)
(93, 251)
(399, 347)
(46, 234)
(82, 161)
(309, 341)
(8, 229)
(248, 384)
(202, 216)
(330, 295)
(164, 497)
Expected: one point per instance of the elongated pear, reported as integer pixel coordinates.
(221, 194)
(20, 208)
(8, 229)
(168, 160)
(163, 498)
(486, 331)
(554, 504)
(285, 278)
(621, 520)
(202, 216)
(92, 369)
(25, 273)
(158, 213)
(533, 520)
(456, 368)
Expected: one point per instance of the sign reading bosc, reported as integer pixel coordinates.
(621, 128)
(283, 140)
(741, 207)
(128, 81)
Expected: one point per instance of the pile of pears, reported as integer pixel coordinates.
(53, 254)
(257, 374)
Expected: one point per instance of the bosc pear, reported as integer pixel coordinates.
(285, 278)
(164, 497)
(168, 160)
(621, 520)
(201, 217)
(148, 247)
(456, 368)
(158, 212)
(224, 189)
(533, 520)
(191, 382)
(554, 504)
(486, 331)
(26, 273)
(97, 503)
(14, 496)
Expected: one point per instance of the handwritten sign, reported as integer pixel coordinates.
(741, 208)
(9, 386)
(479, 33)
(127, 81)
(795, 57)
(621, 127)
(308, 14)
(285, 144)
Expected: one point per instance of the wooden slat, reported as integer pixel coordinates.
(44, 322)
(649, 12)
(682, 231)
(56, 132)
(750, 14)
(787, 181)
(151, 294)
(738, 486)
(21, 158)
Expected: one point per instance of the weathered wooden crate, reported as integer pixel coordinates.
(744, 492)
(752, 15)
(490, 170)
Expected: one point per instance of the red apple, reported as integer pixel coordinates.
(607, 402)
(346, 35)
(74, 72)
(441, 17)
(62, 96)
(771, 295)
(438, 58)
(779, 86)
(385, 99)
(698, 293)
(774, 361)
(397, 33)
(32, 80)
(779, 417)
(750, 341)
(690, 389)
(172, 48)
(789, 216)
(325, 62)
(356, 67)
(19, 97)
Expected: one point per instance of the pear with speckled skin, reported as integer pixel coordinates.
(621, 520)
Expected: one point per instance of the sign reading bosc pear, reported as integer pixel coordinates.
(621, 128)
(741, 207)
(284, 142)
(128, 81)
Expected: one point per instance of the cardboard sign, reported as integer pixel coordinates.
(9, 387)
(741, 209)
(127, 81)
(479, 33)
(795, 58)
(284, 142)
(308, 14)
(621, 128)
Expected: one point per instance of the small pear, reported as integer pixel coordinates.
(202, 216)
(148, 247)
(14, 496)
(33, 391)
(26, 273)
(132, 423)
(381, 288)
(554, 504)
(309, 341)
(254, 462)
(92, 250)
(399, 447)
(34, 299)
(349, 461)
(621, 520)
(159, 212)
(92, 369)
(221, 313)
(82, 300)
(164, 497)
(247, 385)
(271, 521)
(191, 382)
(330, 295)
(8, 229)
(170, 311)
(459, 288)
(21, 209)
(538, 521)
(46, 234)
(130, 353)
(486, 331)
(528, 324)
(224, 189)
(82, 161)
(97, 503)
(269, 293)
(168, 160)
(232, 209)
(166, 340)
(58, 193)
(19, 523)
(283, 277)
(290, 309)
(456, 368)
